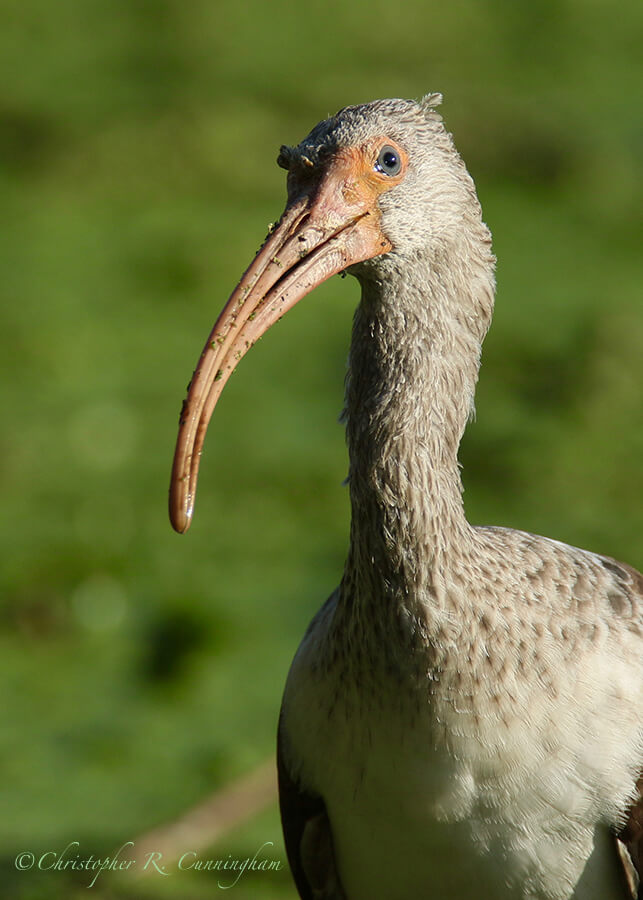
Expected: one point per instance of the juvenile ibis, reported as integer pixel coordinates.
(463, 716)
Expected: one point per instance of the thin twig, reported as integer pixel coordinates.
(204, 824)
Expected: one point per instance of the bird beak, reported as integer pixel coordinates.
(330, 223)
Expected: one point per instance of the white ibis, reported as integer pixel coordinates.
(463, 716)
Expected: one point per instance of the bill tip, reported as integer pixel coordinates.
(181, 519)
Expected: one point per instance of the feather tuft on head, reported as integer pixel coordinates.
(430, 101)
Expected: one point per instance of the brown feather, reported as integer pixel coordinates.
(308, 837)
(630, 839)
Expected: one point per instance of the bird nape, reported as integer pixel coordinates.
(463, 716)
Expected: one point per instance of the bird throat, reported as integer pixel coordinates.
(413, 367)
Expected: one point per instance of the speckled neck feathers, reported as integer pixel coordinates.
(413, 367)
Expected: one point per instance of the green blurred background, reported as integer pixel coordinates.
(142, 671)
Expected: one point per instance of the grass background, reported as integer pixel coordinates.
(142, 670)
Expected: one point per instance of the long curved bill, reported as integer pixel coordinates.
(332, 225)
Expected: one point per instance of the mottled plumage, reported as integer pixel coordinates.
(463, 716)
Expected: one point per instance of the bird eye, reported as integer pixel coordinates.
(388, 162)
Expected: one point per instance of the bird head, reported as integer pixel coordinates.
(390, 161)
(367, 189)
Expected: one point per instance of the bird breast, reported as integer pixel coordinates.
(494, 766)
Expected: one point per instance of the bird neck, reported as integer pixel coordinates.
(413, 368)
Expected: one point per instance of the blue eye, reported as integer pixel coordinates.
(388, 162)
